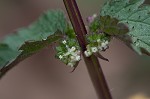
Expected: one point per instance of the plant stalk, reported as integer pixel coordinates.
(92, 63)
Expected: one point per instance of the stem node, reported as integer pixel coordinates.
(92, 63)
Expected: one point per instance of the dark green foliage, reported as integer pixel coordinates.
(16, 47)
(137, 18)
(108, 25)
(111, 26)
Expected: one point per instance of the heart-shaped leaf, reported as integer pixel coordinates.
(137, 17)
(27, 41)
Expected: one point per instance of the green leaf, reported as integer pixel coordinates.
(27, 41)
(137, 17)
(108, 25)
(111, 26)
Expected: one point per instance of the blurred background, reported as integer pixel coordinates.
(44, 77)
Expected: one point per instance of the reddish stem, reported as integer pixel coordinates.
(92, 63)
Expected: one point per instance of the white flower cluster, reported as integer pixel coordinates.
(72, 56)
(102, 46)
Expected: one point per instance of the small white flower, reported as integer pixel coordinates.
(64, 41)
(74, 54)
(87, 53)
(106, 42)
(103, 44)
(78, 52)
(78, 58)
(60, 56)
(70, 64)
(69, 50)
(66, 54)
(72, 57)
(67, 46)
(94, 16)
(98, 40)
(94, 49)
(73, 49)
(44, 39)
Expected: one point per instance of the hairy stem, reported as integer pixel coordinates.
(92, 63)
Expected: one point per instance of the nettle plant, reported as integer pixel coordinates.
(127, 20)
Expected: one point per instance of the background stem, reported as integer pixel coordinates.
(92, 63)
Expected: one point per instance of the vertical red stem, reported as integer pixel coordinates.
(76, 21)
(92, 63)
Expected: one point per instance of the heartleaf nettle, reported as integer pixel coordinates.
(137, 17)
(127, 20)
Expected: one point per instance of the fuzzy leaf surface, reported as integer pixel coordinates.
(137, 17)
(27, 41)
